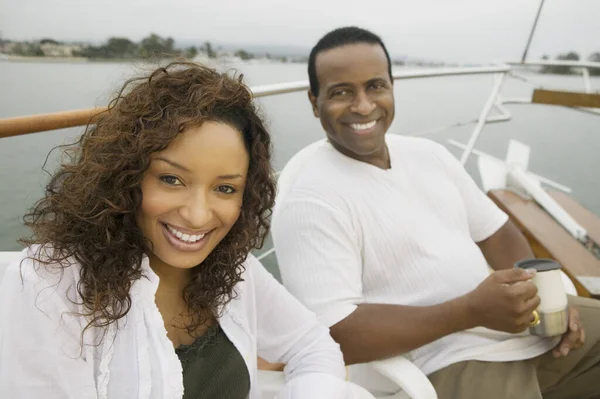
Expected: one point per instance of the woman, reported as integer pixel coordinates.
(137, 281)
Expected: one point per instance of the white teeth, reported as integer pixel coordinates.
(363, 126)
(185, 237)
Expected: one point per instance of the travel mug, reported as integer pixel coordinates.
(551, 318)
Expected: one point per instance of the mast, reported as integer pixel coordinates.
(537, 17)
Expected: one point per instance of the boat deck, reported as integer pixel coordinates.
(548, 239)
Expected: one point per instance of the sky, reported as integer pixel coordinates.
(439, 30)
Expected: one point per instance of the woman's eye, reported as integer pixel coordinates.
(226, 189)
(170, 180)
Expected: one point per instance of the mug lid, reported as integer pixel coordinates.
(541, 265)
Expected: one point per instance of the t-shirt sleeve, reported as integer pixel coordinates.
(319, 257)
(484, 216)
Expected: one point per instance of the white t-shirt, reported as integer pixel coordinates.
(347, 233)
(41, 354)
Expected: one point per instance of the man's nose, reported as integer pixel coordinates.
(363, 104)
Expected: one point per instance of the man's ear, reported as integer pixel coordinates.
(313, 102)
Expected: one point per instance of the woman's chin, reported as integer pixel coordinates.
(179, 260)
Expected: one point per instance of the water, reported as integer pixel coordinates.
(565, 143)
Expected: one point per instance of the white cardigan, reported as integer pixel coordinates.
(41, 353)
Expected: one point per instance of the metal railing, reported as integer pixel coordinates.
(585, 67)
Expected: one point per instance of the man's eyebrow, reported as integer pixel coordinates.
(378, 79)
(336, 85)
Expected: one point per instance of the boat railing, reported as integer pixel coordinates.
(59, 120)
(45, 122)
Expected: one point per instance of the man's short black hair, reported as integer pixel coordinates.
(338, 38)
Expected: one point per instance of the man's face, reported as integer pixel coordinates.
(356, 99)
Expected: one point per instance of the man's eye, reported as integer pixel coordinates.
(340, 93)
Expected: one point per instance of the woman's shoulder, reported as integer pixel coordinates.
(255, 278)
(250, 271)
(254, 270)
(34, 273)
(39, 305)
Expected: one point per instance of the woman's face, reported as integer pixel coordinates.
(192, 194)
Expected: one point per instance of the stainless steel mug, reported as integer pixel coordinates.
(551, 318)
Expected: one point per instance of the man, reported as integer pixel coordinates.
(388, 240)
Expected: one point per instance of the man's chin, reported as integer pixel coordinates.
(369, 148)
(359, 147)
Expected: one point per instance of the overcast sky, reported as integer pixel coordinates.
(449, 30)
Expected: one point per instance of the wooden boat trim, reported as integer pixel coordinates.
(566, 98)
(44, 122)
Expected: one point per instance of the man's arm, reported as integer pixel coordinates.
(505, 247)
(378, 331)
(394, 329)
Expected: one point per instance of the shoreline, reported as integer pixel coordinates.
(22, 58)
(79, 60)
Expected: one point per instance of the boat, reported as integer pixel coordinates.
(555, 224)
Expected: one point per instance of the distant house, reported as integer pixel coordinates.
(7, 47)
(51, 48)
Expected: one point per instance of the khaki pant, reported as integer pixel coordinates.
(576, 376)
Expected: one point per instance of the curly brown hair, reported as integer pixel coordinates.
(89, 207)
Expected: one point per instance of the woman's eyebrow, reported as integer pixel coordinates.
(172, 163)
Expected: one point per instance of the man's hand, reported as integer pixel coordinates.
(504, 301)
(574, 338)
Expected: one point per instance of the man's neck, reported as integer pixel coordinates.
(380, 159)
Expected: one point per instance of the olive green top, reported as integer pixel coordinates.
(213, 368)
